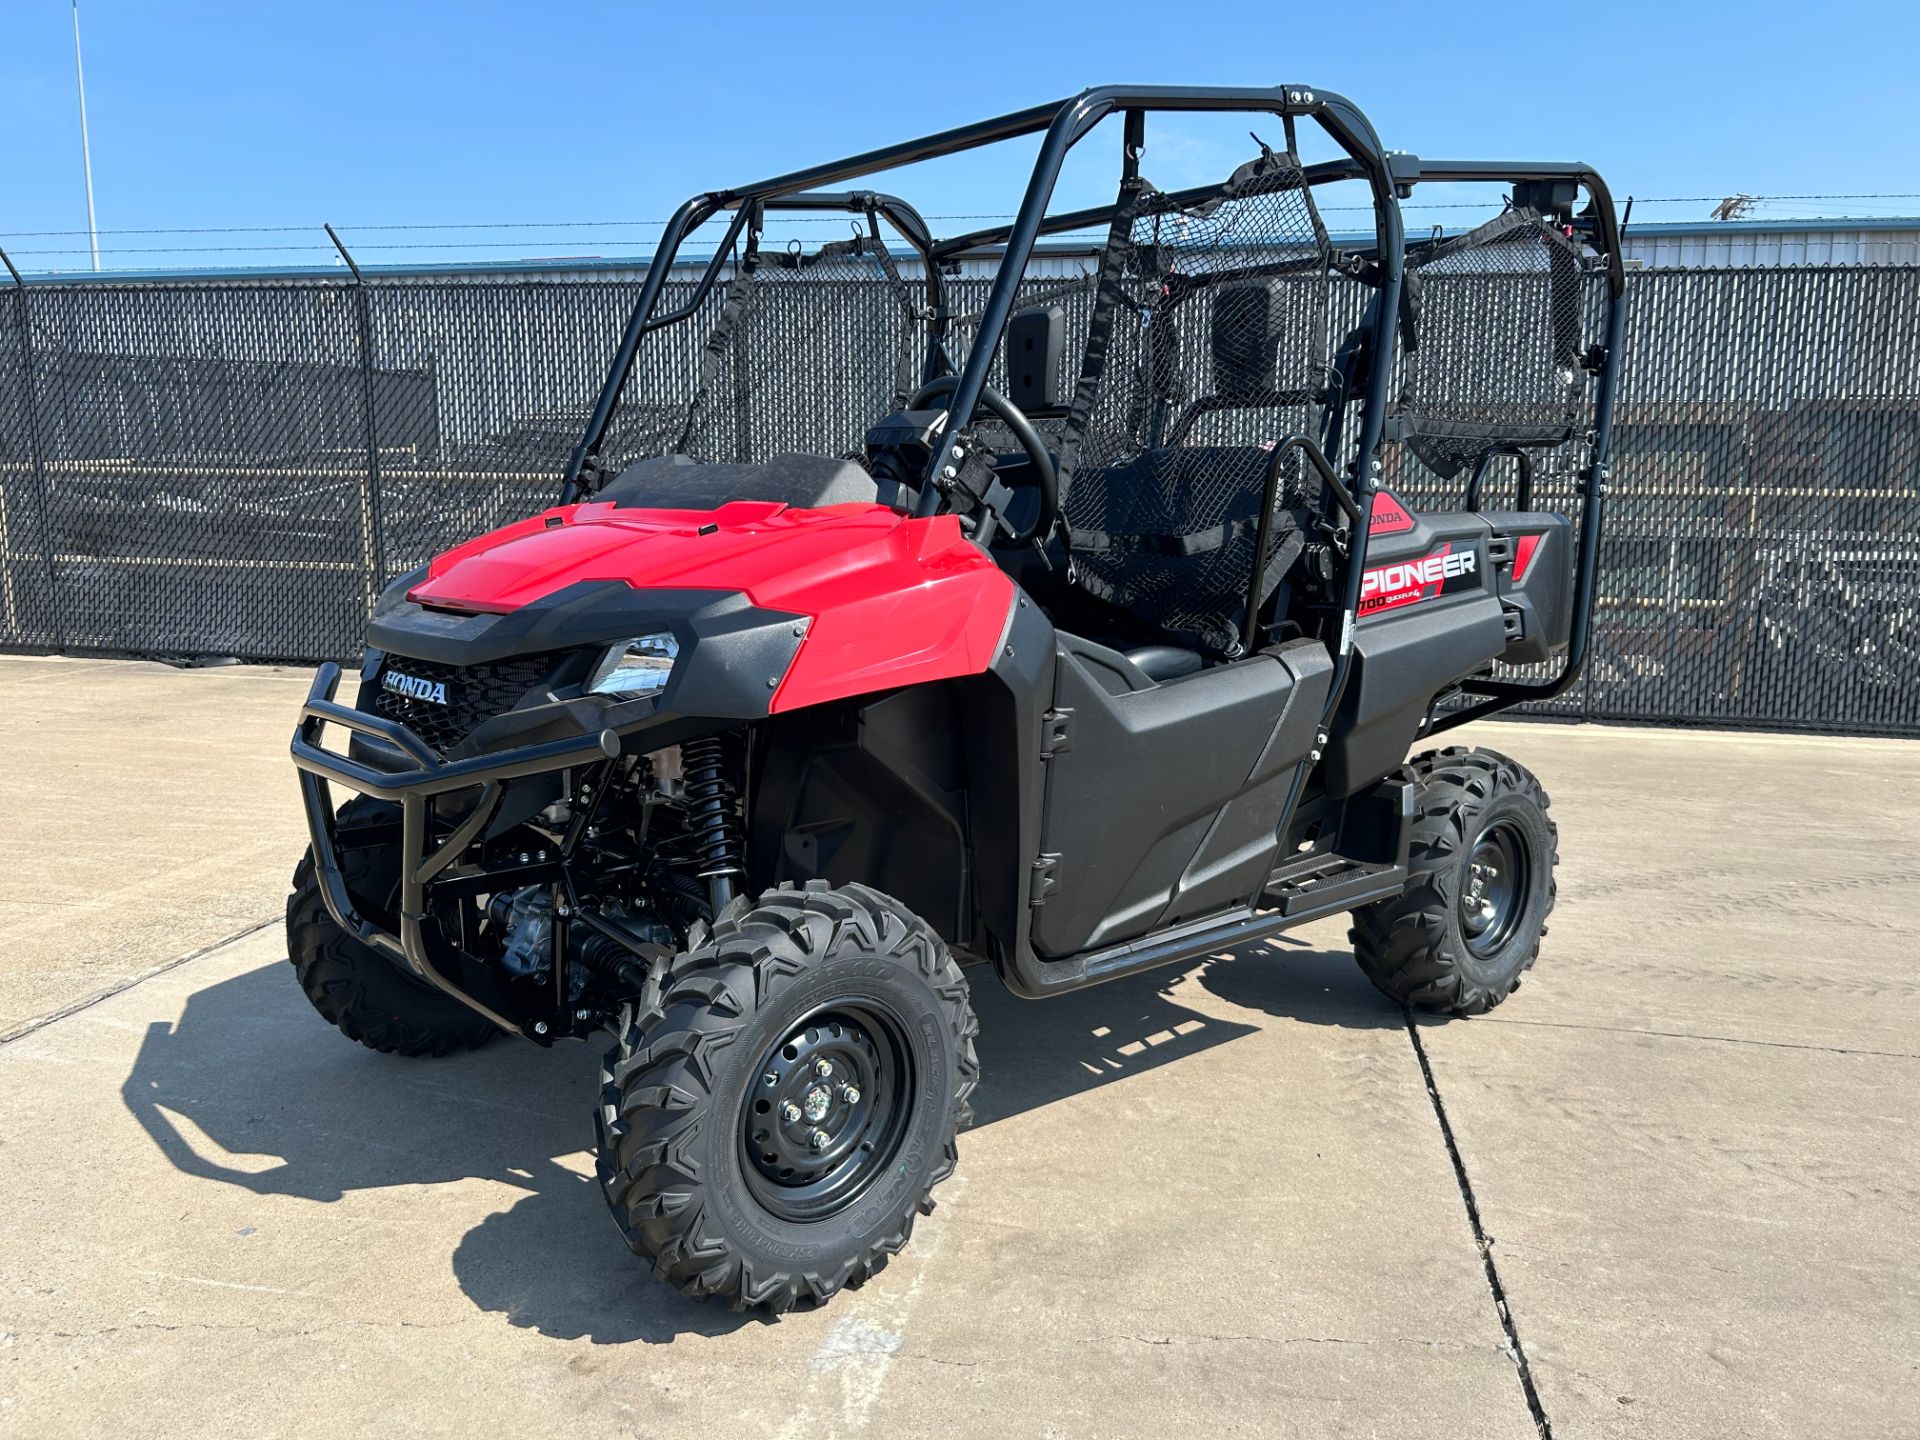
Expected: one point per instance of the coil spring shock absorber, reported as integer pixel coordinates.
(716, 829)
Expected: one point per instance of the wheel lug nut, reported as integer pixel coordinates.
(823, 1068)
(789, 1112)
(850, 1094)
(821, 1139)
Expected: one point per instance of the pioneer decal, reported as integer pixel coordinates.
(1390, 517)
(1408, 582)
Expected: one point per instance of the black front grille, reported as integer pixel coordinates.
(474, 693)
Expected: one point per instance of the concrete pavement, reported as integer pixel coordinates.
(145, 812)
(1221, 1200)
(1696, 1139)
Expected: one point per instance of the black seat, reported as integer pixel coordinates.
(1168, 534)
(1164, 662)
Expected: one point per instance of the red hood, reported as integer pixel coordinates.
(767, 551)
(891, 600)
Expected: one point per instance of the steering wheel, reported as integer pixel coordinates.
(1045, 480)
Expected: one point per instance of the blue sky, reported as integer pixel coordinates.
(216, 114)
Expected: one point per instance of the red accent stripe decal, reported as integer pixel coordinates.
(1523, 556)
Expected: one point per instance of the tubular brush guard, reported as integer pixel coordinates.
(415, 788)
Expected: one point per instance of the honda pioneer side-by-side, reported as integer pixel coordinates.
(917, 609)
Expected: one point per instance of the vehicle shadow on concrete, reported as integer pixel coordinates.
(1289, 980)
(1033, 1053)
(250, 1088)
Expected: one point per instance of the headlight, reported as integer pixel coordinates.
(640, 666)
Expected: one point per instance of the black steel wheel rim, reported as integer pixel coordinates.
(826, 1110)
(1493, 889)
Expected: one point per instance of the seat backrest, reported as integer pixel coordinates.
(1207, 347)
(1169, 535)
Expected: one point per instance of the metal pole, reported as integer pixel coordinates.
(86, 150)
(36, 452)
(373, 540)
(10, 627)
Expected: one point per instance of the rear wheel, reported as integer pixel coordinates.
(782, 1100)
(1469, 923)
(368, 997)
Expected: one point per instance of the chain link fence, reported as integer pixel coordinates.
(234, 468)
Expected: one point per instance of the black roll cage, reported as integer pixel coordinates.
(1389, 176)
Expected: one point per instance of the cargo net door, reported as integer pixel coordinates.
(1500, 325)
(810, 349)
(1500, 345)
(1207, 348)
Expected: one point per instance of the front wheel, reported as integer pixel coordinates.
(366, 996)
(782, 1100)
(1479, 888)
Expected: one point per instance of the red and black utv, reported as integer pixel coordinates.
(912, 604)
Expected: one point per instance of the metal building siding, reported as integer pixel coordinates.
(1712, 247)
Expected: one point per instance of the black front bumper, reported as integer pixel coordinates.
(417, 780)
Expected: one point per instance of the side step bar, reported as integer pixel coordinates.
(1329, 893)
(1321, 884)
(1377, 826)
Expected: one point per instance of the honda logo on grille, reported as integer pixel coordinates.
(415, 688)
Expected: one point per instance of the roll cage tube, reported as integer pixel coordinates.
(976, 241)
(1064, 124)
(1046, 479)
(690, 217)
(1342, 120)
(1064, 121)
(701, 208)
(1407, 170)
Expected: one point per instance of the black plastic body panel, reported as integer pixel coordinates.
(1429, 617)
(1005, 712)
(729, 651)
(871, 792)
(1539, 605)
(729, 648)
(1164, 800)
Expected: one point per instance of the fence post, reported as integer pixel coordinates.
(36, 457)
(373, 541)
